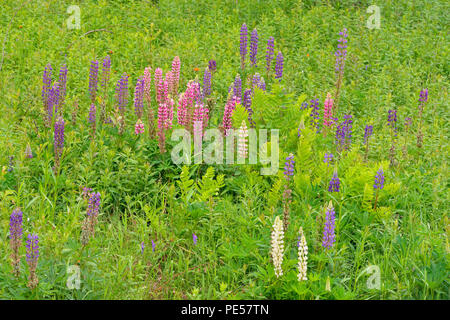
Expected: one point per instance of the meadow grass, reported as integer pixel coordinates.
(406, 237)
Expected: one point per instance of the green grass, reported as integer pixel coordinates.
(406, 237)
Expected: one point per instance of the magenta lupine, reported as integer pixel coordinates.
(329, 237)
(287, 194)
(139, 127)
(237, 88)
(15, 236)
(243, 48)
(378, 185)
(62, 82)
(147, 95)
(89, 223)
(279, 66)
(269, 53)
(253, 47)
(176, 65)
(158, 78)
(139, 98)
(93, 80)
(207, 83)
(170, 83)
(186, 105)
(335, 183)
(328, 111)
(163, 116)
(341, 56)
(32, 249)
(423, 98)
(58, 142)
(228, 113)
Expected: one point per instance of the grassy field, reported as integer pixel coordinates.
(212, 240)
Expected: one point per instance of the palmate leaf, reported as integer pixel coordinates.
(240, 114)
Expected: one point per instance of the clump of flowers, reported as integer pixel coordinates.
(422, 101)
(32, 248)
(277, 246)
(328, 238)
(287, 194)
(378, 184)
(368, 131)
(58, 142)
(15, 236)
(335, 183)
(302, 256)
(89, 223)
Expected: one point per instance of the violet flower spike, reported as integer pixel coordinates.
(279, 66)
(243, 48)
(253, 47)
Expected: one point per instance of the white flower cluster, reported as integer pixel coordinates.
(277, 246)
(302, 256)
(242, 141)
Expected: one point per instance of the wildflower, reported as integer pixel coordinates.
(92, 118)
(139, 98)
(212, 66)
(28, 152)
(368, 131)
(328, 111)
(314, 115)
(52, 103)
(106, 72)
(243, 50)
(328, 232)
(93, 80)
(378, 184)
(142, 247)
(153, 246)
(207, 83)
(253, 47)
(58, 141)
(422, 101)
(237, 87)
(341, 56)
(344, 133)
(194, 238)
(328, 158)
(302, 256)
(88, 228)
(32, 248)
(15, 236)
(242, 141)
(176, 64)
(11, 164)
(122, 100)
(288, 172)
(279, 66)
(62, 85)
(269, 53)
(334, 183)
(139, 127)
(289, 167)
(247, 103)
(228, 113)
(277, 246)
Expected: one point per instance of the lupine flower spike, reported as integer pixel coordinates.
(243, 48)
(15, 236)
(378, 185)
(277, 245)
(62, 87)
(302, 256)
(368, 131)
(341, 56)
(269, 54)
(32, 248)
(279, 66)
(106, 71)
(253, 47)
(392, 123)
(88, 228)
(139, 127)
(58, 142)
(422, 101)
(242, 143)
(327, 113)
(335, 183)
(93, 80)
(328, 238)
(122, 100)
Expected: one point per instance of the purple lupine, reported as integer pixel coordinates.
(194, 238)
(46, 84)
(207, 83)
(335, 183)
(122, 92)
(367, 133)
(11, 164)
(269, 53)
(243, 48)
(392, 118)
(93, 118)
(15, 236)
(279, 66)
(93, 204)
(212, 66)
(379, 179)
(256, 79)
(341, 53)
(53, 101)
(314, 115)
(328, 239)
(142, 247)
(328, 158)
(247, 103)
(304, 106)
(32, 254)
(262, 84)
(344, 133)
(58, 141)
(423, 95)
(106, 72)
(253, 47)
(423, 98)
(289, 167)
(93, 80)
(139, 98)
(28, 152)
(62, 81)
(237, 88)
(153, 245)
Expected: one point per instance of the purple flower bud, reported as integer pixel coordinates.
(328, 158)
(379, 179)
(32, 250)
(367, 133)
(62, 81)
(314, 115)
(46, 83)
(15, 225)
(334, 183)
(122, 92)
(93, 204)
(207, 83)
(212, 66)
(194, 238)
(279, 66)
(289, 167)
(92, 114)
(59, 136)
(253, 47)
(93, 80)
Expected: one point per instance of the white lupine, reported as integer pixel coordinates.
(242, 141)
(302, 256)
(277, 246)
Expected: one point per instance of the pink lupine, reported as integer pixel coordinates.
(328, 111)
(147, 84)
(170, 82)
(139, 127)
(228, 113)
(176, 74)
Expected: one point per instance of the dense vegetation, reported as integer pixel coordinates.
(168, 231)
